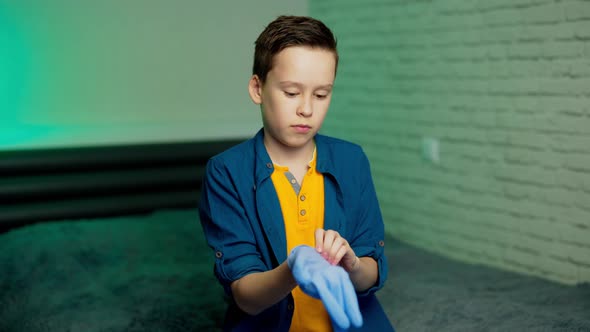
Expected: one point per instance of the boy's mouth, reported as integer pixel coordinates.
(302, 128)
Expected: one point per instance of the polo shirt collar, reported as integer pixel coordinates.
(264, 166)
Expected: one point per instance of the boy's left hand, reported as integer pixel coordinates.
(335, 249)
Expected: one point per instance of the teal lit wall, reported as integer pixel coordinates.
(475, 116)
(76, 73)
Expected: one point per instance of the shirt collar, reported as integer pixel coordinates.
(324, 160)
(264, 166)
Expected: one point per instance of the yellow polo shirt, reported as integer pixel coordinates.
(303, 212)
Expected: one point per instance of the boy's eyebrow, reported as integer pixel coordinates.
(324, 86)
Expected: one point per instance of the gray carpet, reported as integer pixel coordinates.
(426, 292)
(154, 273)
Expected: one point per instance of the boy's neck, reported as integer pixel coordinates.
(288, 156)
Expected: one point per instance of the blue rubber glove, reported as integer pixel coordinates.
(319, 279)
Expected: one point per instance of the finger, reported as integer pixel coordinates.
(329, 237)
(335, 308)
(319, 239)
(351, 304)
(339, 254)
(337, 243)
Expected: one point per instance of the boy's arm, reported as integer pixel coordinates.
(238, 264)
(365, 275)
(369, 244)
(258, 291)
(363, 271)
(366, 263)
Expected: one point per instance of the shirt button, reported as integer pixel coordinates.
(302, 212)
(218, 254)
(290, 307)
(293, 181)
(302, 198)
(268, 165)
(381, 243)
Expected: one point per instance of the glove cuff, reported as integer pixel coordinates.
(294, 252)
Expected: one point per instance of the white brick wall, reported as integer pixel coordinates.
(504, 86)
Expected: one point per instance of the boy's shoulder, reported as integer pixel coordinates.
(341, 158)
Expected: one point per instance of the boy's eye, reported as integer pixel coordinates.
(291, 94)
(321, 96)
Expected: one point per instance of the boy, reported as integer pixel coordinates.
(290, 186)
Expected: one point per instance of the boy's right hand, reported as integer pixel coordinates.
(330, 283)
(334, 248)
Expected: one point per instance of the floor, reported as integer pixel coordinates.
(154, 273)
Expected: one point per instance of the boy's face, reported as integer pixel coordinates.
(295, 96)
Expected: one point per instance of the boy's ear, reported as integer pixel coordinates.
(255, 89)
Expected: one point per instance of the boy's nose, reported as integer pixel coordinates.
(305, 109)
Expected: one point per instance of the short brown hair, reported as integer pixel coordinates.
(286, 31)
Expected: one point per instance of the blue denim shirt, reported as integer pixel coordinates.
(243, 223)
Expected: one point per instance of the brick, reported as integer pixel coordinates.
(579, 255)
(568, 49)
(572, 179)
(579, 163)
(559, 270)
(573, 122)
(535, 231)
(546, 32)
(563, 87)
(580, 68)
(500, 34)
(581, 29)
(570, 143)
(518, 256)
(502, 17)
(518, 121)
(567, 104)
(529, 139)
(556, 196)
(575, 11)
(483, 118)
(548, 13)
(455, 6)
(483, 5)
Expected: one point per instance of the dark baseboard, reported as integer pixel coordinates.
(73, 183)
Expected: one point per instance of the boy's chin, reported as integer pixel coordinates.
(298, 143)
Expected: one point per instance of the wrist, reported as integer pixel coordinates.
(290, 278)
(356, 265)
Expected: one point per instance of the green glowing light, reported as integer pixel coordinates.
(14, 60)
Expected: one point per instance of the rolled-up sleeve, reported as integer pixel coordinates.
(226, 226)
(368, 234)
